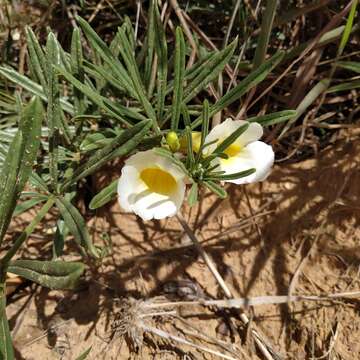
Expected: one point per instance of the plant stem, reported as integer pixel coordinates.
(208, 261)
(29, 229)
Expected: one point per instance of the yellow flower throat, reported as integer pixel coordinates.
(158, 181)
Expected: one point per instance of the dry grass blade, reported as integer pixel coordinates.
(240, 303)
(167, 336)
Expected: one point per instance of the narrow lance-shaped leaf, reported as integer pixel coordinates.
(106, 54)
(31, 120)
(348, 28)
(310, 97)
(133, 70)
(53, 108)
(230, 139)
(37, 59)
(150, 44)
(162, 54)
(212, 69)
(77, 70)
(350, 65)
(84, 355)
(59, 238)
(193, 194)
(32, 87)
(51, 274)
(216, 189)
(179, 78)
(204, 127)
(274, 118)
(345, 86)
(238, 175)
(107, 194)
(76, 224)
(8, 183)
(265, 31)
(118, 111)
(120, 146)
(6, 348)
(28, 204)
(254, 78)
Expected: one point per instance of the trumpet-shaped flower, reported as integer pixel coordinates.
(244, 153)
(151, 186)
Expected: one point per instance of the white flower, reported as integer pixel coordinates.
(244, 153)
(151, 186)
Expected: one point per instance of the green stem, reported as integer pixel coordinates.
(24, 235)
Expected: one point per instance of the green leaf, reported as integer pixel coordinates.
(211, 70)
(53, 108)
(8, 183)
(190, 159)
(274, 118)
(6, 348)
(310, 98)
(216, 189)
(84, 355)
(230, 139)
(104, 196)
(117, 110)
(120, 146)
(193, 194)
(77, 69)
(254, 78)
(344, 86)
(162, 54)
(76, 224)
(133, 70)
(149, 45)
(265, 31)
(102, 49)
(233, 176)
(32, 87)
(51, 274)
(180, 52)
(28, 204)
(348, 28)
(30, 125)
(37, 63)
(349, 65)
(102, 72)
(204, 126)
(59, 238)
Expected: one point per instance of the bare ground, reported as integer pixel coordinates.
(305, 216)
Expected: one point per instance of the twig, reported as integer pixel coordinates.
(180, 15)
(261, 343)
(204, 255)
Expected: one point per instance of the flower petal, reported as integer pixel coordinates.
(128, 184)
(149, 205)
(256, 155)
(222, 131)
(136, 196)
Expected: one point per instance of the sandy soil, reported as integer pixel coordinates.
(305, 216)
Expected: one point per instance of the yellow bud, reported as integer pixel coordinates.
(196, 140)
(173, 141)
